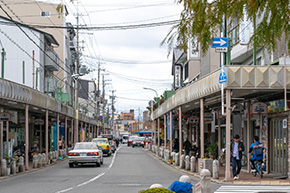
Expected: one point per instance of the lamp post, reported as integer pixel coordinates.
(152, 110)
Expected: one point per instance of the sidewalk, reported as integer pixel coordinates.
(245, 178)
(31, 169)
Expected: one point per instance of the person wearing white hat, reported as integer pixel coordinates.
(156, 186)
(182, 186)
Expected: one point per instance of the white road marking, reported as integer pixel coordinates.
(95, 178)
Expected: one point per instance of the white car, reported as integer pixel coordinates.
(85, 152)
(125, 138)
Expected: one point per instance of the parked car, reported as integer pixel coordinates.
(85, 152)
(125, 138)
(138, 142)
(104, 144)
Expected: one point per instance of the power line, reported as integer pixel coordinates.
(106, 28)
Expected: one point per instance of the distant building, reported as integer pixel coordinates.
(146, 116)
(127, 116)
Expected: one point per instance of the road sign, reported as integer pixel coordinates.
(284, 123)
(219, 50)
(223, 75)
(220, 42)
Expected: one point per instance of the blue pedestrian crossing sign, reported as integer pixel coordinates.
(223, 75)
(220, 42)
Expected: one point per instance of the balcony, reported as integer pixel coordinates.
(51, 60)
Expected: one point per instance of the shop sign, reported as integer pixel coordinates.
(238, 109)
(14, 117)
(38, 121)
(284, 123)
(197, 188)
(208, 117)
(259, 108)
(5, 116)
(177, 76)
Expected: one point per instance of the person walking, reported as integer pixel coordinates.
(237, 147)
(187, 147)
(176, 145)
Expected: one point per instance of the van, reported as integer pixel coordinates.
(125, 138)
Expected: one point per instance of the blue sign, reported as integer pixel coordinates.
(223, 75)
(220, 42)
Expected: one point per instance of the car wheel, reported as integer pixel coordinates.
(133, 146)
(102, 162)
(98, 164)
(71, 165)
(143, 146)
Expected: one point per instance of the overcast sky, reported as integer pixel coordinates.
(132, 48)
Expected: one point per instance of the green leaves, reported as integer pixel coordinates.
(203, 19)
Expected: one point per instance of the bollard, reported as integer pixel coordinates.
(21, 164)
(187, 163)
(3, 167)
(13, 166)
(205, 182)
(53, 155)
(39, 160)
(182, 162)
(43, 159)
(65, 153)
(50, 155)
(34, 161)
(176, 159)
(193, 164)
(215, 169)
(56, 155)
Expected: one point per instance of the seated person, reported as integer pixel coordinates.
(181, 186)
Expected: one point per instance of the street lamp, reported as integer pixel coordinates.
(151, 105)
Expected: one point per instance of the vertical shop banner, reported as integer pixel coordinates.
(264, 139)
(83, 135)
(177, 76)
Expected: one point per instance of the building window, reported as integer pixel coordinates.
(234, 35)
(45, 14)
(186, 71)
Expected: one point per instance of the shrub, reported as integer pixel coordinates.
(156, 190)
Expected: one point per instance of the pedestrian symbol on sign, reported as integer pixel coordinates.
(223, 75)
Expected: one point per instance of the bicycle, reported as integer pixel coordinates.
(258, 165)
(222, 158)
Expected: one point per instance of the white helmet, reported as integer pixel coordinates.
(184, 178)
(156, 186)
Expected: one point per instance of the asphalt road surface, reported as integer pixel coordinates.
(127, 171)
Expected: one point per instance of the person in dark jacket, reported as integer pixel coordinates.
(176, 145)
(237, 147)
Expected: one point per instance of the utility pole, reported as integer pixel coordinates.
(138, 119)
(103, 119)
(98, 97)
(113, 108)
(76, 133)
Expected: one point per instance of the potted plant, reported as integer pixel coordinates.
(8, 164)
(211, 151)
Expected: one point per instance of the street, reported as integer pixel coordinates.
(127, 171)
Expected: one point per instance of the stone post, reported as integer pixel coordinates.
(193, 164)
(34, 161)
(3, 167)
(21, 164)
(205, 182)
(215, 169)
(13, 166)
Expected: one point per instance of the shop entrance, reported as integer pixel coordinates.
(278, 147)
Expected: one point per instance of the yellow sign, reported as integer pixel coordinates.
(77, 114)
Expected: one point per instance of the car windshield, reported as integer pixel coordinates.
(85, 146)
(100, 141)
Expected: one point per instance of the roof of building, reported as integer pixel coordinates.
(48, 36)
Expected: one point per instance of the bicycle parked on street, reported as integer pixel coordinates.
(222, 158)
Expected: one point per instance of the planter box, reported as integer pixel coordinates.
(205, 164)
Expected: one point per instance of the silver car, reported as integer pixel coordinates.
(85, 152)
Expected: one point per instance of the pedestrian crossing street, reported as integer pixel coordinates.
(254, 189)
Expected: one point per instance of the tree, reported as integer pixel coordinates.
(202, 20)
